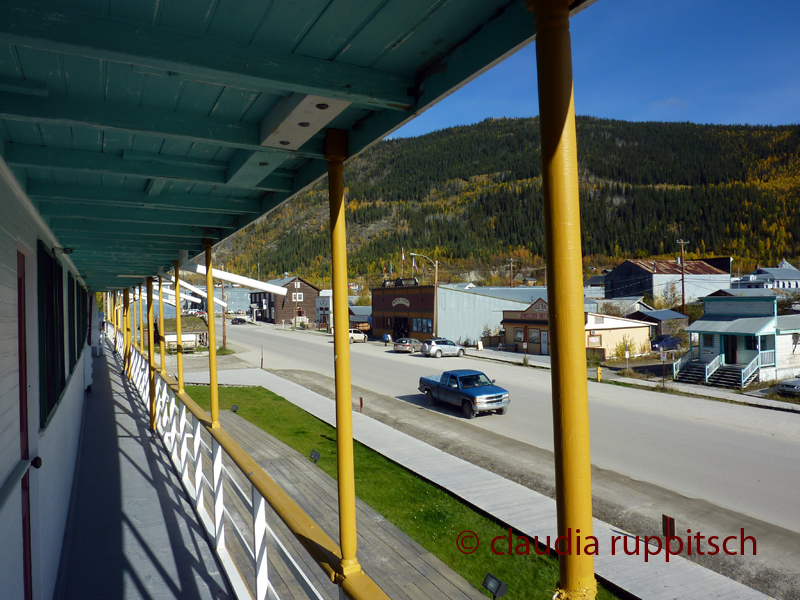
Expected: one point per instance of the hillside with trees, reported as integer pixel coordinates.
(471, 197)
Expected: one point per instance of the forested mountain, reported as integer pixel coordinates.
(471, 196)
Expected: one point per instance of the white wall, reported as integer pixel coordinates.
(787, 356)
(51, 485)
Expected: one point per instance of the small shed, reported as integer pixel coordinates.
(194, 332)
(361, 317)
(662, 321)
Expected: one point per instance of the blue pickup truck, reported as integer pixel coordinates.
(473, 391)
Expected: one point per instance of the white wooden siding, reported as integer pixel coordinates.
(57, 444)
(787, 353)
(747, 308)
(709, 354)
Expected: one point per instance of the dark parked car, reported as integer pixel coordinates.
(665, 342)
(238, 321)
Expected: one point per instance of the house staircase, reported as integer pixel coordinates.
(694, 373)
(730, 376)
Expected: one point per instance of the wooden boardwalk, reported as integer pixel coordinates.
(399, 565)
(528, 512)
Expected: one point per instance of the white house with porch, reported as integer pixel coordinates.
(741, 339)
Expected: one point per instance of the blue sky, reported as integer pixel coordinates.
(728, 62)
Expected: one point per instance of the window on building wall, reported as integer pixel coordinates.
(51, 332)
(599, 320)
(534, 336)
(750, 342)
(519, 334)
(427, 325)
(708, 340)
(767, 342)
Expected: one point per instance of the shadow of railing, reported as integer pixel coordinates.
(227, 510)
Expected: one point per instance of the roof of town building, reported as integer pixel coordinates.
(673, 267)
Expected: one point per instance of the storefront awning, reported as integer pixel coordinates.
(728, 325)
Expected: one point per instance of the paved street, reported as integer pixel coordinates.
(714, 465)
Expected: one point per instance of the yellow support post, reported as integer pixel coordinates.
(161, 341)
(126, 332)
(114, 316)
(178, 325)
(565, 294)
(134, 329)
(141, 322)
(151, 357)
(336, 153)
(212, 338)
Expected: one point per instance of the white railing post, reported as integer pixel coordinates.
(184, 447)
(173, 427)
(197, 460)
(260, 565)
(219, 495)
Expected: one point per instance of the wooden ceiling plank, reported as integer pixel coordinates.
(211, 61)
(105, 196)
(82, 161)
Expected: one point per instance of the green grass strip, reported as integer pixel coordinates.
(429, 515)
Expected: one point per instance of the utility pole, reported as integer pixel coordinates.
(511, 265)
(683, 276)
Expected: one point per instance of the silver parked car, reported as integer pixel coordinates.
(790, 386)
(439, 347)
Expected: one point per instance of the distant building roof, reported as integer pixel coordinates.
(788, 323)
(732, 325)
(361, 311)
(785, 264)
(781, 274)
(673, 267)
(284, 281)
(660, 315)
(595, 280)
(462, 286)
(745, 292)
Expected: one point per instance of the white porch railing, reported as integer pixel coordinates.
(751, 368)
(692, 354)
(767, 357)
(180, 424)
(715, 364)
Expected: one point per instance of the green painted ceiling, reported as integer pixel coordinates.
(138, 127)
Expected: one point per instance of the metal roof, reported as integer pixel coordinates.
(773, 274)
(733, 325)
(672, 267)
(661, 315)
(744, 292)
(138, 128)
(788, 323)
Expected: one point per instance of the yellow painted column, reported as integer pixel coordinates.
(565, 294)
(212, 338)
(151, 356)
(126, 332)
(178, 325)
(114, 316)
(161, 342)
(134, 329)
(141, 322)
(336, 153)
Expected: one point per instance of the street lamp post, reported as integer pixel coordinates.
(435, 264)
